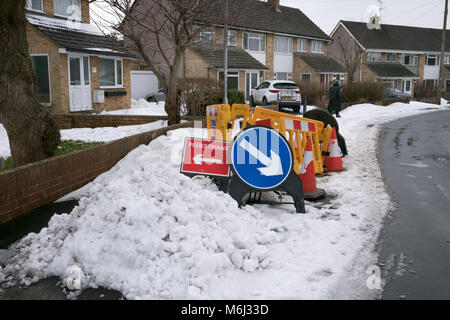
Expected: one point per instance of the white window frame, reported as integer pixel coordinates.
(301, 75)
(116, 86)
(210, 30)
(229, 42)
(49, 79)
(29, 4)
(447, 59)
(289, 47)
(228, 75)
(260, 37)
(299, 45)
(432, 55)
(370, 56)
(391, 54)
(413, 60)
(288, 75)
(341, 77)
(321, 46)
(71, 16)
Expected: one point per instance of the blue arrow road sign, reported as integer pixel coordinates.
(261, 157)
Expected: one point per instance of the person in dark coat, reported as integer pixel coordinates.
(304, 101)
(335, 99)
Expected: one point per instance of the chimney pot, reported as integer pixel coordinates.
(275, 4)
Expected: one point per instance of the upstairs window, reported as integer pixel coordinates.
(410, 60)
(302, 45)
(447, 59)
(206, 36)
(374, 57)
(391, 57)
(317, 46)
(35, 5)
(232, 37)
(254, 42)
(68, 8)
(283, 45)
(432, 60)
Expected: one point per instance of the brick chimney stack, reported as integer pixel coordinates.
(275, 4)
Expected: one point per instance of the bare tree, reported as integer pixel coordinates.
(159, 31)
(350, 57)
(32, 133)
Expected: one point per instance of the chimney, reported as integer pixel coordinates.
(275, 4)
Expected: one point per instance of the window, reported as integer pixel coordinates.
(34, 5)
(283, 76)
(430, 84)
(302, 45)
(305, 77)
(390, 84)
(317, 46)
(254, 42)
(42, 72)
(374, 57)
(110, 72)
(264, 85)
(432, 60)
(233, 79)
(410, 60)
(68, 8)
(232, 37)
(283, 45)
(447, 59)
(338, 77)
(206, 35)
(391, 57)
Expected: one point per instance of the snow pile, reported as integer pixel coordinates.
(141, 108)
(109, 133)
(63, 24)
(148, 231)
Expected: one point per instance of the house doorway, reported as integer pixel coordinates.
(251, 82)
(406, 86)
(79, 83)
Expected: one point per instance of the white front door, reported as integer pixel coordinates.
(406, 86)
(79, 83)
(251, 82)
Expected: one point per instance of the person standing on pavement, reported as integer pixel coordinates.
(303, 95)
(335, 99)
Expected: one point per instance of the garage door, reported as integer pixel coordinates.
(142, 83)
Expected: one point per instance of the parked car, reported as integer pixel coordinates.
(156, 96)
(285, 93)
(395, 93)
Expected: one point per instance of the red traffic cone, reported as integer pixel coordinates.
(308, 176)
(333, 162)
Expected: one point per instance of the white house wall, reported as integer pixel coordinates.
(283, 62)
(431, 73)
(260, 56)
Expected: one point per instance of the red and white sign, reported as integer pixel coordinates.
(206, 157)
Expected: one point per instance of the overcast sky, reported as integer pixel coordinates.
(327, 13)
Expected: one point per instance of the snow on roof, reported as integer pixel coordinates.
(63, 24)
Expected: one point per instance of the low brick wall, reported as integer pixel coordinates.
(31, 186)
(70, 121)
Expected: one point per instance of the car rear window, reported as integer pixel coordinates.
(285, 86)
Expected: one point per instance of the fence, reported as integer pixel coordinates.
(31, 186)
(70, 121)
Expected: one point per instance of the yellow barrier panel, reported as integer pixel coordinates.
(297, 130)
(240, 110)
(217, 119)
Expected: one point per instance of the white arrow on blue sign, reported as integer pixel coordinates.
(261, 157)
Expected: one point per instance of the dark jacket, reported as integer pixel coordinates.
(335, 98)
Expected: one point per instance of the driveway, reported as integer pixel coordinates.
(415, 242)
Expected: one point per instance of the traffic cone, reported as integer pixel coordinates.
(308, 176)
(333, 162)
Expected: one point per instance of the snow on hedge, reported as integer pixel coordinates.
(148, 231)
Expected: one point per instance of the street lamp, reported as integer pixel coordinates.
(225, 62)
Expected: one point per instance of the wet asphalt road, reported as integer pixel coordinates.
(415, 242)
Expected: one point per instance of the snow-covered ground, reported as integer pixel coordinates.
(106, 134)
(148, 231)
(141, 108)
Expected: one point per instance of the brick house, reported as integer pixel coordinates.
(402, 57)
(266, 42)
(73, 61)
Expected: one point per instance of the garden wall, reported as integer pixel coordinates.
(70, 121)
(31, 186)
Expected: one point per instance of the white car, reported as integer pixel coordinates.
(284, 93)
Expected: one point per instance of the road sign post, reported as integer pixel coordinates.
(261, 160)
